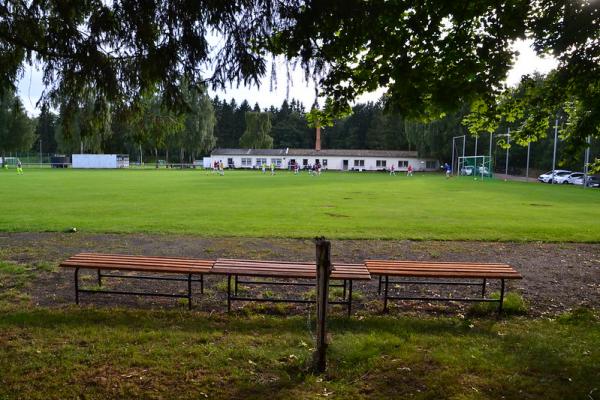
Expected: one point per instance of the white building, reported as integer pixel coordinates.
(100, 161)
(343, 160)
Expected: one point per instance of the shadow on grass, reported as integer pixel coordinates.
(261, 356)
(77, 317)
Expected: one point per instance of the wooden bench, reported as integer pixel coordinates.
(448, 272)
(127, 263)
(288, 271)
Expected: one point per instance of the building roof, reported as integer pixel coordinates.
(248, 152)
(316, 153)
(352, 153)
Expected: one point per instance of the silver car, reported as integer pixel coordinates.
(576, 178)
(547, 177)
(561, 177)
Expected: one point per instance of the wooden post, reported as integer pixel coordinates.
(324, 268)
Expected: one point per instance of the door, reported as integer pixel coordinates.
(345, 165)
(230, 163)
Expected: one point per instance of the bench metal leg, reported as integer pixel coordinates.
(228, 293)
(235, 290)
(189, 284)
(349, 297)
(385, 294)
(379, 287)
(483, 288)
(344, 290)
(501, 297)
(76, 285)
(99, 278)
(201, 283)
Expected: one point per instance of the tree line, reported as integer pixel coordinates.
(148, 131)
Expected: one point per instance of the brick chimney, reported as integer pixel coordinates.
(318, 139)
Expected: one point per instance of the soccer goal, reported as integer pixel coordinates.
(475, 166)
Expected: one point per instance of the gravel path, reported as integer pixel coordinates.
(557, 277)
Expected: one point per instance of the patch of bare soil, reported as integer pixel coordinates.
(556, 277)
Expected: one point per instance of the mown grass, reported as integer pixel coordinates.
(337, 205)
(117, 353)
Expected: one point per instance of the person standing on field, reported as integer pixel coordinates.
(264, 167)
(272, 168)
(448, 170)
(409, 172)
(19, 167)
(221, 168)
(392, 170)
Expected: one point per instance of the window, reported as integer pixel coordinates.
(261, 161)
(431, 165)
(246, 162)
(381, 163)
(359, 163)
(324, 162)
(403, 164)
(305, 161)
(276, 161)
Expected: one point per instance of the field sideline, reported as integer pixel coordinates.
(337, 205)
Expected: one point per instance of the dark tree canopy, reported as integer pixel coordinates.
(433, 56)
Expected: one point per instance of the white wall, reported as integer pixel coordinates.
(333, 163)
(94, 161)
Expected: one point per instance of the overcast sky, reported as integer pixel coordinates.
(30, 86)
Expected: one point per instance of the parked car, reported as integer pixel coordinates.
(468, 170)
(576, 178)
(593, 181)
(547, 177)
(561, 177)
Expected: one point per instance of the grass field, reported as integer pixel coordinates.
(98, 354)
(337, 205)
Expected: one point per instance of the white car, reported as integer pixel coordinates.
(547, 177)
(576, 178)
(468, 170)
(561, 177)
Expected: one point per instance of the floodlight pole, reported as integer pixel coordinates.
(527, 169)
(586, 161)
(452, 159)
(554, 153)
(476, 137)
(464, 138)
(464, 145)
(40, 150)
(491, 140)
(507, 149)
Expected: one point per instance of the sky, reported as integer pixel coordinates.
(30, 86)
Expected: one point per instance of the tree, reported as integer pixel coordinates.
(16, 129)
(318, 118)
(45, 127)
(84, 128)
(258, 128)
(152, 123)
(432, 56)
(197, 137)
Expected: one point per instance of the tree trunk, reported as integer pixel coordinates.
(318, 138)
(156, 156)
(181, 157)
(167, 156)
(324, 268)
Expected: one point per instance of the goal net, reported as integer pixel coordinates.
(475, 166)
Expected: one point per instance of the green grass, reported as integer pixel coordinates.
(337, 205)
(114, 353)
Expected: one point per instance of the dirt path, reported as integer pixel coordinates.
(557, 277)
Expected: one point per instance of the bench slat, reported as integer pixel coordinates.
(155, 260)
(137, 263)
(286, 269)
(441, 269)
